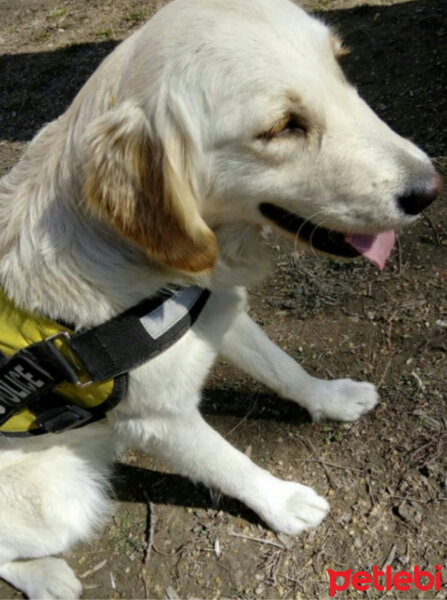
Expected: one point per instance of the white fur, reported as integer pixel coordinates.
(215, 75)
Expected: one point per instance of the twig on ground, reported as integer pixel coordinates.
(273, 565)
(384, 374)
(150, 526)
(390, 557)
(251, 408)
(255, 539)
(369, 488)
(319, 460)
(93, 569)
(173, 553)
(112, 580)
(332, 465)
(289, 578)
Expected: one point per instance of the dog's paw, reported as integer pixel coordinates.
(343, 400)
(44, 578)
(61, 582)
(292, 508)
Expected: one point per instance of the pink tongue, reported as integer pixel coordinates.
(376, 248)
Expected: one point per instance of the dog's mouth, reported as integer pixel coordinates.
(320, 238)
(376, 248)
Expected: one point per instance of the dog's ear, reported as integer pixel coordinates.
(145, 190)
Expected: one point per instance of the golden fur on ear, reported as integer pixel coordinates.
(145, 191)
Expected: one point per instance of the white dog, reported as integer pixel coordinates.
(214, 120)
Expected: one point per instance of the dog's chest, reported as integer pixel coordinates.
(173, 380)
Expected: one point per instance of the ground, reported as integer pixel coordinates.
(384, 476)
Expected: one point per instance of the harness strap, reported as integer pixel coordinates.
(104, 352)
(139, 334)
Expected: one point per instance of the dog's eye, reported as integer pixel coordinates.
(289, 125)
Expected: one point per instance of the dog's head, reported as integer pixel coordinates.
(238, 111)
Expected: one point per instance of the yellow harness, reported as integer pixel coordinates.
(19, 329)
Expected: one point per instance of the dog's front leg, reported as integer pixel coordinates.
(247, 347)
(187, 443)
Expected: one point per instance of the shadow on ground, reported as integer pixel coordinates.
(398, 61)
(130, 482)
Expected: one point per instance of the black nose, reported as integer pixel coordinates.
(415, 202)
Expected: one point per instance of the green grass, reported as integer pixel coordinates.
(57, 13)
(104, 34)
(135, 17)
(42, 35)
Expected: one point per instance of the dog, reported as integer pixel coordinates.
(210, 123)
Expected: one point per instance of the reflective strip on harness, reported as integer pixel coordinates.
(171, 312)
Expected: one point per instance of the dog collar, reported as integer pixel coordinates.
(53, 379)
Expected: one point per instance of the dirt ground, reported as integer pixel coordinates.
(384, 476)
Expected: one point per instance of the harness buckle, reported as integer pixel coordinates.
(76, 363)
(63, 418)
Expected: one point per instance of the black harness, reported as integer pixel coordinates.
(107, 352)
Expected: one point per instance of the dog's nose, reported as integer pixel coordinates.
(415, 202)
